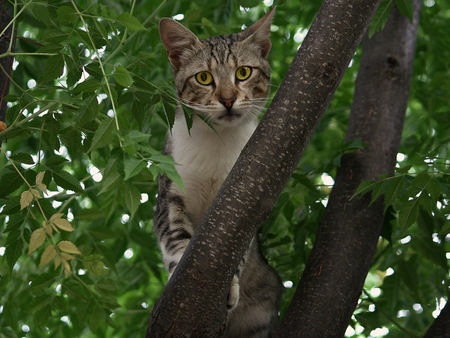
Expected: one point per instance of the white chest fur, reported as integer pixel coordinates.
(205, 160)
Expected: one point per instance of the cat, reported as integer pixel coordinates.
(225, 79)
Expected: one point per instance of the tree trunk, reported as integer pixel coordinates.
(441, 326)
(331, 284)
(193, 304)
(6, 63)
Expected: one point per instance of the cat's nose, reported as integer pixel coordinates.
(227, 102)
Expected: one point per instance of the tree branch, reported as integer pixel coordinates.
(439, 328)
(348, 233)
(194, 300)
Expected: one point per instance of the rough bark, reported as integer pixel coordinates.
(441, 326)
(348, 233)
(5, 18)
(193, 304)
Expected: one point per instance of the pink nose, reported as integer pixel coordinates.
(228, 102)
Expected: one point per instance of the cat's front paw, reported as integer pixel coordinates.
(233, 295)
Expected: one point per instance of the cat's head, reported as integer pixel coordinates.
(224, 78)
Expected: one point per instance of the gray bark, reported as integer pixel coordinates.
(193, 304)
(5, 18)
(348, 233)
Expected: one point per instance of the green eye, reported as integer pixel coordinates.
(243, 73)
(204, 78)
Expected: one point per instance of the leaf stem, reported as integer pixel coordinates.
(17, 124)
(102, 69)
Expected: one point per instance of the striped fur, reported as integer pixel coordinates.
(205, 156)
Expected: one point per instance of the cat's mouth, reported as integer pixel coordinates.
(229, 116)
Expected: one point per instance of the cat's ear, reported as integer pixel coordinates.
(177, 39)
(259, 32)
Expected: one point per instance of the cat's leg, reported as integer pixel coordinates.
(256, 314)
(174, 230)
(233, 295)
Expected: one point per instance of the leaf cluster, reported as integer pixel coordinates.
(90, 102)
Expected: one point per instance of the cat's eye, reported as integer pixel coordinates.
(243, 73)
(204, 78)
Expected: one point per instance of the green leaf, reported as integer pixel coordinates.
(111, 181)
(12, 206)
(23, 158)
(73, 76)
(11, 98)
(90, 85)
(365, 187)
(138, 111)
(74, 53)
(377, 191)
(129, 22)
(206, 120)
(67, 14)
(426, 202)
(88, 110)
(74, 289)
(38, 303)
(380, 17)
(54, 160)
(137, 136)
(133, 166)
(160, 158)
(104, 134)
(405, 7)
(393, 189)
(169, 111)
(72, 140)
(50, 48)
(87, 36)
(171, 173)
(445, 230)
(408, 214)
(434, 252)
(129, 145)
(53, 68)
(434, 189)
(42, 281)
(122, 76)
(60, 303)
(403, 170)
(66, 181)
(14, 248)
(9, 183)
(132, 198)
(14, 223)
(305, 181)
(94, 264)
(53, 127)
(54, 36)
(188, 112)
(40, 12)
(94, 69)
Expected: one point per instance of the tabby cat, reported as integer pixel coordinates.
(226, 80)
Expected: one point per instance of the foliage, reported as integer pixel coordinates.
(91, 100)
